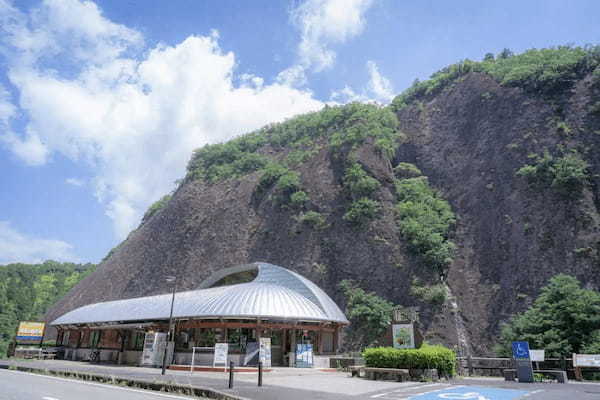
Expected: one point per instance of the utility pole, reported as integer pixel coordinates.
(169, 334)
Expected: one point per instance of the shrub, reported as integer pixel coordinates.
(426, 357)
(407, 170)
(361, 211)
(566, 174)
(299, 199)
(288, 182)
(358, 182)
(432, 294)
(270, 174)
(425, 220)
(312, 218)
(155, 207)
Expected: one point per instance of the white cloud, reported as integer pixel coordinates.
(378, 89)
(134, 118)
(74, 182)
(17, 247)
(379, 85)
(326, 22)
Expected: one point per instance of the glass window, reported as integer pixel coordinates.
(95, 339)
(205, 337)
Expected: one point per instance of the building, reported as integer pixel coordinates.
(236, 305)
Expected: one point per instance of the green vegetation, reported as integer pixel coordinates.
(361, 188)
(425, 219)
(432, 294)
(299, 199)
(426, 357)
(361, 211)
(407, 170)
(369, 315)
(344, 126)
(155, 207)
(539, 70)
(358, 182)
(566, 174)
(564, 319)
(28, 290)
(312, 218)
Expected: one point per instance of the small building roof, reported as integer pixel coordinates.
(276, 293)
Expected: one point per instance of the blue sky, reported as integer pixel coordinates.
(101, 104)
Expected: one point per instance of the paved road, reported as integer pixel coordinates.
(284, 383)
(24, 386)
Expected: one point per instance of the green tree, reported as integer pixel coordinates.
(564, 319)
(369, 315)
(28, 290)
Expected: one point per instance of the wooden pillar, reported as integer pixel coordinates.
(320, 340)
(336, 339)
(293, 348)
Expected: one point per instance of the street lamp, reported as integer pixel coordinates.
(169, 338)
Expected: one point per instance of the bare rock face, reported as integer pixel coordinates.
(469, 140)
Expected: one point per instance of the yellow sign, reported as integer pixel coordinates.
(30, 331)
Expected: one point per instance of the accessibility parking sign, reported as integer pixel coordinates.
(471, 393)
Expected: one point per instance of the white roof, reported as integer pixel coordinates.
(276, 293)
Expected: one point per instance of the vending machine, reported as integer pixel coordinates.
(154, 349)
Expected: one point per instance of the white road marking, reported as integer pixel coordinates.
(102, 385)
(532, 393)
(415, 386)
(49, 398)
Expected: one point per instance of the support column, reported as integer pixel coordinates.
(320, 340)
(293, 348)
(336, 339)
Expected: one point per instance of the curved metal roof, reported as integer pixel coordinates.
(276, 293)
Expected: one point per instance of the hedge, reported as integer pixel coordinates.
(426, 357)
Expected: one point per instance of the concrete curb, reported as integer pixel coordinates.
(163, 387)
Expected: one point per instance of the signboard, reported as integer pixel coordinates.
(586, 360)
(30, 332)
(537, 355)
(221, 350)
(522, 358)
(304, 355)
(265, 351)
(403, 336)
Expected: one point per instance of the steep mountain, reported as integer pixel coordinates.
(463, 197)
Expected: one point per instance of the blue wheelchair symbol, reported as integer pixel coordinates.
(520, 350)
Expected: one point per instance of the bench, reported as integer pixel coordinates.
(561, 376)
(356, 370)
(402, 375)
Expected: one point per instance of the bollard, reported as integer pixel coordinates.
(260, 373)
(231, 375)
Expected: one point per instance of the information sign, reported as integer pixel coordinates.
(537, 355)
(265, 351)
(221, 350)
(304, 355)
(30, 332)
(523, 361)
(586, 360)
(403, 336)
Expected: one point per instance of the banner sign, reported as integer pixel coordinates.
(403, 336)
(304, 355)
(265, 351)
(221, 350)
(30, 331)
(537, 355)
(586, 360)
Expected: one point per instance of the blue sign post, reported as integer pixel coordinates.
(522, 359)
